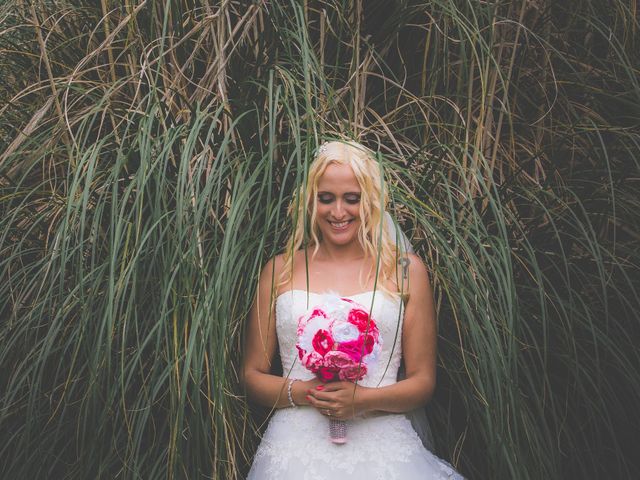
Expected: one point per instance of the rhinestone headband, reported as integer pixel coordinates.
(322, 148)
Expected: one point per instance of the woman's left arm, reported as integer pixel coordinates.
(345, 399)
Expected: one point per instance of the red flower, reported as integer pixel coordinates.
(362, 321)
(356, 349)
(359, 318)
(322, 342)
(352, 348)
(326, 374)
(369, 341)
(318, 312)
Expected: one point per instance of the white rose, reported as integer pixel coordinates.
(344, 332)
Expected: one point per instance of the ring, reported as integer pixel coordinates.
(328, 412)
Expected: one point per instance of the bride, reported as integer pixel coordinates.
(349, 253)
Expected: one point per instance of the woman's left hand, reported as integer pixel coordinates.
(341, 400)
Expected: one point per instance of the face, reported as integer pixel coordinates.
(338, 204)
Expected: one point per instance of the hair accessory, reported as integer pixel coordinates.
(323, 148)
(289, 396)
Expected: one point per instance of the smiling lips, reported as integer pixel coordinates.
(340, 225)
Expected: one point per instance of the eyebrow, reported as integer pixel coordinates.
(345, 193)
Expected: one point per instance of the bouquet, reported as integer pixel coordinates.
(338, 340)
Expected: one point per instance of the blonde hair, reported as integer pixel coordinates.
(372, 234)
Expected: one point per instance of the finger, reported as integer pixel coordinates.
(319, 403)
(332, 386)
(339, 415)
(332, 389)
(321, 392)
(338, 386)
(316, 383)
(324, 404)
(335, 396)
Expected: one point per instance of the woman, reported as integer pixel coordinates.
(344, 202)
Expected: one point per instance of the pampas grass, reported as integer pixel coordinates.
(148, 154)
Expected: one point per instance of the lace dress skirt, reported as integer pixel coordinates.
(296, 445)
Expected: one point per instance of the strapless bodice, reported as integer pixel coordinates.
(385, 310)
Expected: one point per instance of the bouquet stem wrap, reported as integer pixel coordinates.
(337, 430)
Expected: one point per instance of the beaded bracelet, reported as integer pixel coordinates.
(291, 402)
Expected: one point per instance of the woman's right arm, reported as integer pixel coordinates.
(261, 386)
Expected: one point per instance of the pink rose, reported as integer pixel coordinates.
(313, 361)
(322, 342)
(353, 372)
(337, 360)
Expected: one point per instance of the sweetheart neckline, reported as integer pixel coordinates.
(292, 290)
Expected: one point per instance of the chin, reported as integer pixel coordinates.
(342, 241)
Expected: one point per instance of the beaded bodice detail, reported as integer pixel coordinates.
(385, 310)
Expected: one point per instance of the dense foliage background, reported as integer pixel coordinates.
(147, 153)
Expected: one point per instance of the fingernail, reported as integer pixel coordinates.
(308, 397)
(320, 387)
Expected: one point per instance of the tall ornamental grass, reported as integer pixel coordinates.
(148, 152)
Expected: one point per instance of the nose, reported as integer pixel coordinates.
(338, 211)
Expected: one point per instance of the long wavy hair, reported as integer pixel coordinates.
(373, 234)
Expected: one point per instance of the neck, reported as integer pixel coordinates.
(340, 253)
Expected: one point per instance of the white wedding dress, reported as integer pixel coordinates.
(382, 446)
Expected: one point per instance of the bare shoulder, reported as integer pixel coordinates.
(271, 271)
(418, 276)
(278, 262)
(416, 268)
(419, 307)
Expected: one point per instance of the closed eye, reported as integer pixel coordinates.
(325, 198)
(352, 198)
